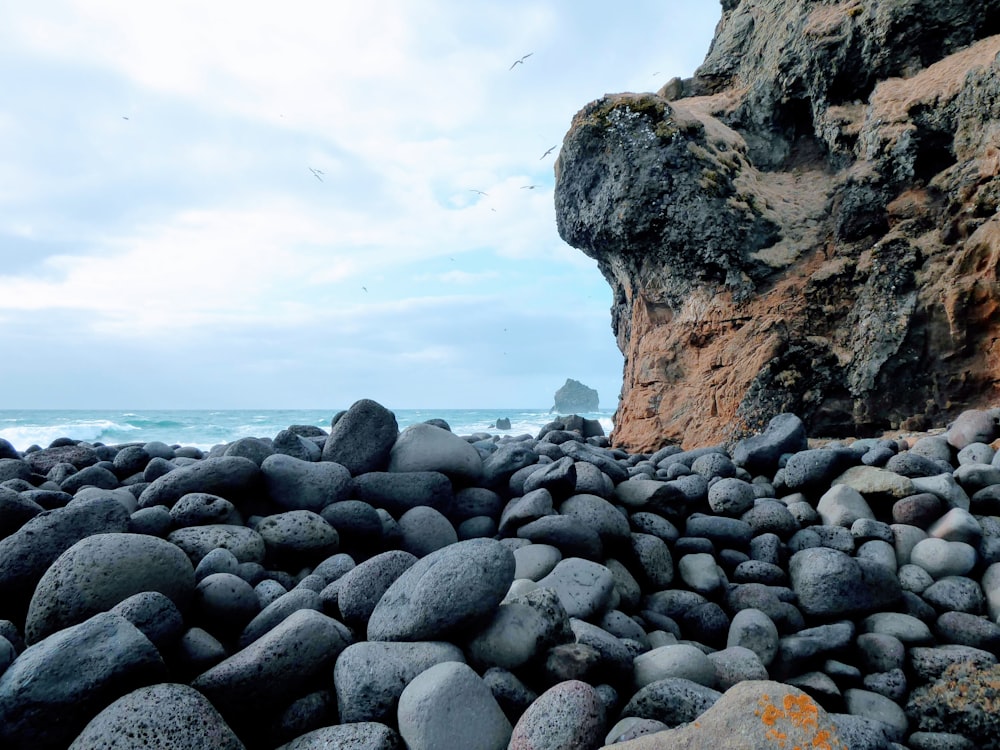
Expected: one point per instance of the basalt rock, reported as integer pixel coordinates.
(806, 225)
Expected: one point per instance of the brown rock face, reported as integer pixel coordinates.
(807, 225)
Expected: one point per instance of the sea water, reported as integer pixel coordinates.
(205, 428)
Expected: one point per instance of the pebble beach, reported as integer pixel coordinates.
(364, 587)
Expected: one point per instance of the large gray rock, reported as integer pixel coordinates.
(26, 554)
(361, 439)
(249, 685)
(449, 707)
(426, 447)
(56, 686)
(299, 537)
(829, 583)
(397, 492)
(360, 588)
(567, 716)
(362, 735)
(759, 453)
(584, 587)
(370, 676)
(102, 570)
(444, 593)
(573, 396)
(296, 484)
(521, 629)
(197, 541)
(160, 717)
(277, 611)
(233, 477)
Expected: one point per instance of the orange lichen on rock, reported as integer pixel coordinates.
(799, 712)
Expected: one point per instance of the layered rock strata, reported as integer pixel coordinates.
(807, 224)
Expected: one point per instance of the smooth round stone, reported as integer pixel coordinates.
(968, 629)
(975, 453)
(929, 663)
(535, 561)
(449, 707)
(673, 700)
(974, 476)
(736, 664)
(369, 676)
(334, 567)
(874, 482)
(829, 583)
(626, 588)
(102, 570)
(197, 541)
(219, 560)
(558, 477)
(647, 494)
(705, 623)
(621, 625)
(522, 628)
(225, 603)
(425, 530)
(357, 523)
(197, 651)
(444, 592)
(653, 558)
(700, 572)
(990, 582)
(298, 536)
(288, 443)
(511, 694)
(72, 675)
(360, 588)
(957, 525)
(914, 578)
(714, 464)
(15, 511)
(584, 588)
(939, 741)
(955, 594)
(725, 532)
(867, 529)
(920, 510)
(892, 684)
(155, 615)
(250, 683)
(879, 552)
(475, 501)
(769, 516)
(871, 705)
(231, 477)
(164, 717)
(567, 716)
(201, 508)
(681, 660)
(364, 735)
(752, 629)
(756, 571)
(905, 538)
(880, 652)
(426, 447)
(523, 510)
(905, 628)
(600, 515)
(941, 558)
(297, 484)
(812, 468)
(767, 548)
(593, 481)
(572, 536)
(271, 615)
(155, 521)
(361, 438)
(945, 487)
(731, 497)
(268, 591)
(397, 492)
(842, 505)
(27, 554)
(7, 653)
(972, 426)
(631, 727)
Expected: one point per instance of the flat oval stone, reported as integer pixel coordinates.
(426, 447)
(301, 537)
(941, 558)
(362, 735)
(232, 477)
(444, 592)
(673, 700)
(102, 570)
(296, 484)
(361, 587)
(197, 541)
(680, 660)
(584, 587)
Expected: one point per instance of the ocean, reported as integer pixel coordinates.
(205, 428)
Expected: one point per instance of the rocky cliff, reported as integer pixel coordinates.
(808, 224)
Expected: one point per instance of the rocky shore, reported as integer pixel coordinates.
(371, 589)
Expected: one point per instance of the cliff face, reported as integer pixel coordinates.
(808, 224)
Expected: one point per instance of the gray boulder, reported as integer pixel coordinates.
(160, 717)
(297, 484)
(574, 396)
(362, 735)
(425, 447)
(361, 588)
(362, 437)
(829, 583)
(232, 477)
(197, 541)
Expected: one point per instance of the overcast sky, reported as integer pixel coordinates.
(256, 204)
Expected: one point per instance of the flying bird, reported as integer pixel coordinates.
(529, 187)
(365, 288)
(547, 153)
(124, 117)
(473, 190)
(317, 173)
(521, 61)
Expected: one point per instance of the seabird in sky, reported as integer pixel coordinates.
(473, 190)
(528, 187)
(521, 61)
(547, 153)
(317, 173)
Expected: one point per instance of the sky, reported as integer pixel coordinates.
(212, 205)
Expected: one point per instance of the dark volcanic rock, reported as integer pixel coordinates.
(795, 227)
(573, 397)
(362, 437)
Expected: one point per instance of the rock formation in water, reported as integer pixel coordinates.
(808, 224)
(574, 396)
